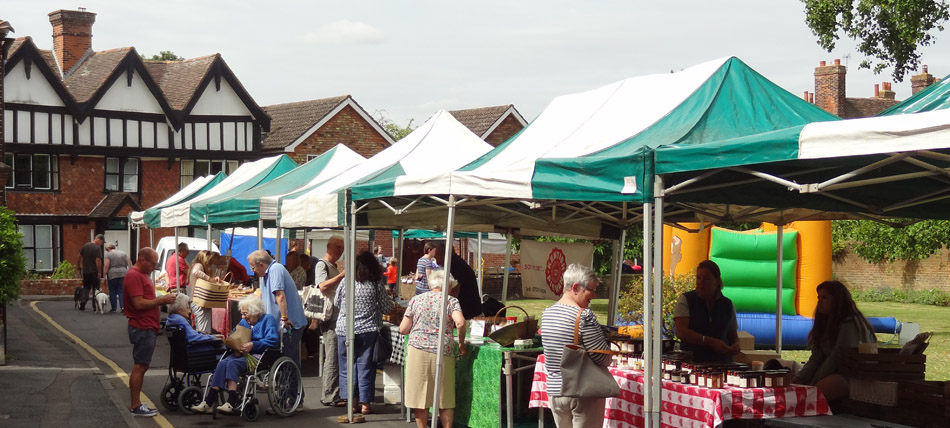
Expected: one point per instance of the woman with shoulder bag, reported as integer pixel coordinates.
(371, 301)
(202, 268)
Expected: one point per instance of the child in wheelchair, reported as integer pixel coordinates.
(231, 368)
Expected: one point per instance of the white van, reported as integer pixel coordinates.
(166, 247)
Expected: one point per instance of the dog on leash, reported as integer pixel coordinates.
(99, 302)
(77, 296)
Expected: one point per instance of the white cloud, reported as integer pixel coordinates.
(344, 32)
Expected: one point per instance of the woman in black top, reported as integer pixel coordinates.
(705, 319)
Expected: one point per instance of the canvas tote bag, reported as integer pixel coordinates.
(210, 295)
(580, 376)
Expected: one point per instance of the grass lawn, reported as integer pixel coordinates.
(931, 318)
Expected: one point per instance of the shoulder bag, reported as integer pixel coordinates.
(317, 304)
(582, 377)
(210, 295)
(383, 349)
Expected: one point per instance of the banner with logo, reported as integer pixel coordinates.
(543, 265)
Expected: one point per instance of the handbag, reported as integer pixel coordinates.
(581, 376)
(317, 304)
(210, 295)
(383, 349)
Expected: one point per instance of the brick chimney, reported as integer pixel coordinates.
(921, 81)
(886, 92)
(72, 35)
(830, 87)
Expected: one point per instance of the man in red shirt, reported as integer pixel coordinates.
(178, 275)
(142, 310)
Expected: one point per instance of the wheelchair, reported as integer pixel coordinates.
(185, 369)
(274, 373)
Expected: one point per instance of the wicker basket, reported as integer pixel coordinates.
(878, 392)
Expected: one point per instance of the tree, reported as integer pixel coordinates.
(165, 56)
(12, 262)
(876, 242)
(888, 32)
(394, 130)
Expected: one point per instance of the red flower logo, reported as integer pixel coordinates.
(554, 271)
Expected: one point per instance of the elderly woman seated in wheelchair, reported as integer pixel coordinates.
(232, 367)
(179, 314)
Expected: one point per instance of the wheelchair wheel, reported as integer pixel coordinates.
(251, 410)
(284, 388)
(170, 394)
(191, 396)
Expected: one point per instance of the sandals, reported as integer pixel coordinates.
(365, 409)
(357, 419)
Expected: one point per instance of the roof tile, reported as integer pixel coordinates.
(289, 121)
(93, 71)
(479, 120)
(179, 79)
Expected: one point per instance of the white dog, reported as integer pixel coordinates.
(99, 302)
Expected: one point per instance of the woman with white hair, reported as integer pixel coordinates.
(557, 330)
(179, 314)
(421, 323)
(231, 367)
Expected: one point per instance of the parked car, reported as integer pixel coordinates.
(166, 247)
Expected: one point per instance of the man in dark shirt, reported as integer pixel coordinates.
(90, 265)
(468, 297)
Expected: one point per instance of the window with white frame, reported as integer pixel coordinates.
(122, 175)
(40, 246)
(32, 171)
(194, 168)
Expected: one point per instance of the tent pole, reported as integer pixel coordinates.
(779, 280)
(177, 265)
(615, 279)
(449, 233)
(350, 285)
(209, 237)
(399, 249)
(481, 267)
(260, 234)
(277, 247)
(504, 281)
(648, 412)
(657, 296)
(151, 238)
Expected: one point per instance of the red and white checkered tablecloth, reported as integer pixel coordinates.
(689, 406)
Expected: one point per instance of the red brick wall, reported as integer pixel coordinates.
(505, 130)
(346, 127)
(932, 273)
(50, 287)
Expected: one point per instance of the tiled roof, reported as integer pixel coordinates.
(179, 79)
(110, 204)
(289, 121)
(479, 120)
(92, 72)
(855, 108)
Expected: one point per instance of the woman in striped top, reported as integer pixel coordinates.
(557, 330)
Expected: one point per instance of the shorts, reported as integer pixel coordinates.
(143, 345)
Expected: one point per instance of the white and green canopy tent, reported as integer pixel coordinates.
(194, 189)
(585, 166)
(260, 202)
(192, 213)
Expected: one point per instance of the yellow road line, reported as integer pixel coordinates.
(162, 422)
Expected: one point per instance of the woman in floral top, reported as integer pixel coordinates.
(421, 323)
(371, 302)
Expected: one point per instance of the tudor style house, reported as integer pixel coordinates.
(93, 135)
(495, 124)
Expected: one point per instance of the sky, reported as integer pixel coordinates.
(408, 59)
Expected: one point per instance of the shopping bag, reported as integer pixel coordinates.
(317, 304)
(581, 376)
(238, 337)
(210, 295)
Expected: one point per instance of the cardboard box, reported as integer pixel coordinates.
(748, 356)
(746, 341)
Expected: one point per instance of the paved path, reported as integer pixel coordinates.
(67, 368)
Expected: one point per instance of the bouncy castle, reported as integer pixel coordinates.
(748, 260)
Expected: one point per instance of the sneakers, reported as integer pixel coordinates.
(143, 411)
(227, 409)
(201, 408)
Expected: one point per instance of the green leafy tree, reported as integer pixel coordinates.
(888, 32)
(12, 262)
(394, 130)
(876, 242)
(630, 306)
(165, 56)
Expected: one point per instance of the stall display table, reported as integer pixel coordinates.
(478, 387)
(693, 406)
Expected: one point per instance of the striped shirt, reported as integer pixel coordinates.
(557, 330)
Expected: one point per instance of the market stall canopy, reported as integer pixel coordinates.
(245, 177)
(441, 144)
(935, 97)
(197, 187)
(597, 147)
(260, 202)
(887, 166)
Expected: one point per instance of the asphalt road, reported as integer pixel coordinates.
(67, 368)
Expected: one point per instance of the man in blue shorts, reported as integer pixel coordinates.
(142, 310)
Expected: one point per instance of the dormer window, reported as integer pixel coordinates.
(122, 175)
